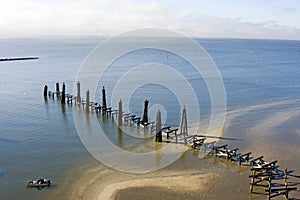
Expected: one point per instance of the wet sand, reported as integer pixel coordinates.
(136, 193)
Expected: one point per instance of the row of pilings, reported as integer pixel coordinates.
(123, 118)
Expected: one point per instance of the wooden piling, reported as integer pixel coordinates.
(78, 98)
(57, 88)
(63, 95)
(158, 136)
(120, 114)
(269, 187)
(285, 178)
(183, 125)
(145, 115)
(104, 107)
(45, 91)
(252, 181)
(87, 101)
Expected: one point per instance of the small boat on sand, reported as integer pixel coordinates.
(39, 183)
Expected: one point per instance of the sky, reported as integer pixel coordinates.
(271, 19)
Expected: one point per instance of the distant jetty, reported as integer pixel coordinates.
(18, 58)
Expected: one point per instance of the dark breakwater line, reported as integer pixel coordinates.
(18, 58)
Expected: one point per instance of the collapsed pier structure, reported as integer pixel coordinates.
(266, 177)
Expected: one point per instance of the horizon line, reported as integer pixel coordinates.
(112, 35)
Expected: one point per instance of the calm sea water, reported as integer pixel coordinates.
(38, 138)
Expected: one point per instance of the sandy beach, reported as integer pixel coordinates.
(188, 178)
(187, 186)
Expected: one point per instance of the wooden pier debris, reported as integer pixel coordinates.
(126, 117)
(130, 119)
(223, 151)
(220, 147)
(166, 128)
(264, 177)
(168, 132)
(109, 110)
(115, 113)
(172, 131)
(97, 107)
(198, 142)
(274, 192)
(257, 161)
(70, 98)
(271, 165)
(195, 141)
(135, 120)
(244, 158)
(232, 154)
(262, 164)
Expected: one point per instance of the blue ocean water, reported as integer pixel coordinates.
(38, 138)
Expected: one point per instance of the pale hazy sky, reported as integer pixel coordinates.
(202, 18)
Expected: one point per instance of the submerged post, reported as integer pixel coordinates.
(183, 125)
(63, 95)
(158, 136)
(45, 91)
(103, 100)
(78, 98)
(87, 101)
(120, 114)
(145, 115)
